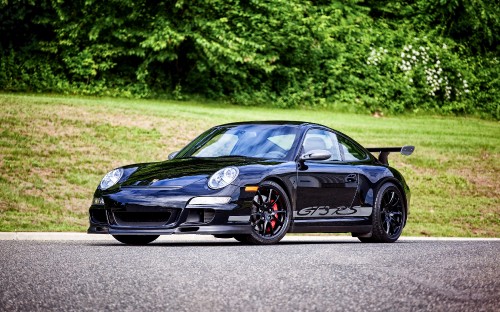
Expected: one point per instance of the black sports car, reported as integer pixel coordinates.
(257, 181)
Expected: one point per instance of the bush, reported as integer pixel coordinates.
(389, 56)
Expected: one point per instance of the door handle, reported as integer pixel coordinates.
(351, 178)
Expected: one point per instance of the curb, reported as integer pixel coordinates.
(77, 236)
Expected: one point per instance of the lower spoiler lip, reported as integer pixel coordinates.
(384, 152)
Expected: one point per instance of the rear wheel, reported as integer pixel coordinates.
(270, 217)
(136, 239)
(389, 216)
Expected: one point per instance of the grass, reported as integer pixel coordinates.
(54, 150)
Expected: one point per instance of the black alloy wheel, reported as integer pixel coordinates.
(270, 217)
(136, 239)
(389, 216)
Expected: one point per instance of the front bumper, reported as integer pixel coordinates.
(205, 229)
(146, 212)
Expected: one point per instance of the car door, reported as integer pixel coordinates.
(324, 188)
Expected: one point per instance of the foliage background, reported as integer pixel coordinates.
(359, 56)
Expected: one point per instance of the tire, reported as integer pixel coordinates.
(389, 216)
(136, 239)
(271, 214)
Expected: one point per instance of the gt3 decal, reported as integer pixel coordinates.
(327, 211)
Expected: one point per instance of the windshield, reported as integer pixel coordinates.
(259, 141)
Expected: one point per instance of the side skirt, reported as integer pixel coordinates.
(334, 225)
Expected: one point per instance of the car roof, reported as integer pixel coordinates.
(272, 122)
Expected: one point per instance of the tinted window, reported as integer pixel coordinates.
(350, 150)
(219, 145)
(260, 141)
(317, 139)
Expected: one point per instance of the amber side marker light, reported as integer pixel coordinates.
(251, 188)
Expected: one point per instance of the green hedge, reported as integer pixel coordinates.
(387, 56)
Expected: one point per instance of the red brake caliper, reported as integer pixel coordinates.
(273, 221)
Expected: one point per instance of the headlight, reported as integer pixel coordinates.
(223, 178)
(111, 178)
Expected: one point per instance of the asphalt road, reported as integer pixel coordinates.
(223, 275)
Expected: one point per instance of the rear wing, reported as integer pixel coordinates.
(384, 152)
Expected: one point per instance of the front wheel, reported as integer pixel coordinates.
(136, 239)
(271, 213)
(389, 216)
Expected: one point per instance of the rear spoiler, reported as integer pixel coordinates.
(384, 152)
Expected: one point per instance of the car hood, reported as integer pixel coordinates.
(177, 173)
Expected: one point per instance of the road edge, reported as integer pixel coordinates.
(78, 236)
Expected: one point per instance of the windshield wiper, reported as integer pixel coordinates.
(237, 156)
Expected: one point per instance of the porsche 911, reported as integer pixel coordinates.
(256, 182)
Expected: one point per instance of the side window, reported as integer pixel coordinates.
(350, 150)
(317, 139)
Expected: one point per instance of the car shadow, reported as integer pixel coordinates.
(232, 243)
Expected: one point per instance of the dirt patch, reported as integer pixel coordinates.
(175, 132)
(45, 174)
(485, 183)
(77, 205)
(3, 206)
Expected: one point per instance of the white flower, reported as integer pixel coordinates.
(402, 54)
(445, 46)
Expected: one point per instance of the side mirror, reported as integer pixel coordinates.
(172, 155)
(316, 155)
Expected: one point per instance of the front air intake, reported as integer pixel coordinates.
(196, 216)
(142, 218)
